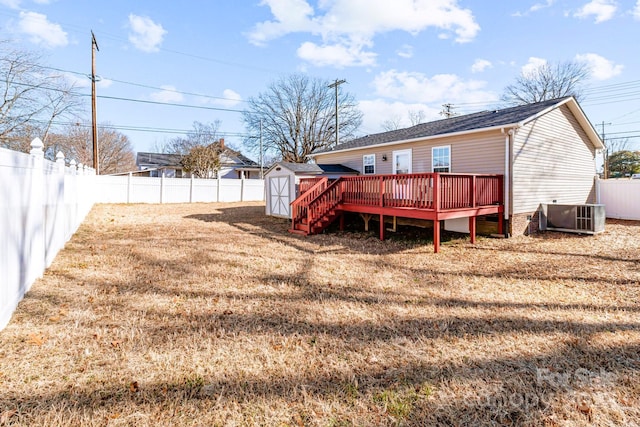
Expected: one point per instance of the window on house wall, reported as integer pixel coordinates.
(369, 164)
(441, 159)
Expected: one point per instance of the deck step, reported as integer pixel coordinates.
(300, 232)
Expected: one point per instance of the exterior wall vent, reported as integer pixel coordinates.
(583, 219)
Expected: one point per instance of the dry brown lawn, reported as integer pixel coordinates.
(213, 314)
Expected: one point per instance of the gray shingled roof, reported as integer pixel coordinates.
(312, 168)
(475, 121)
(229, 157)
(158, 159)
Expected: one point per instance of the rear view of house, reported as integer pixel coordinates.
(545, 152)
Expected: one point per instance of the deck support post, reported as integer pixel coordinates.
(394, 228)
(472, 229)
(500, 223)
(366, 217)
(436, 236)
(381, 227)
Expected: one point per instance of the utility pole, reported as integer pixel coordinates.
(447, 111)
(605, 156)
(335, 85)
(94, 125)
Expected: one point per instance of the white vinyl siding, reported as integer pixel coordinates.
(553, 160)
(369, 164)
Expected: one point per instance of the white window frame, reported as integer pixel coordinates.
(408, 152)
(372, 158)
(433, 157)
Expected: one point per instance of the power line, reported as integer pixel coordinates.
(147, 86)
(172, 104)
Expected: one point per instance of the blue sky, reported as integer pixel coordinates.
(397, 56)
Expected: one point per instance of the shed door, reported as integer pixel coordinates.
(279, 199)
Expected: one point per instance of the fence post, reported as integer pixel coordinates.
(162, 187)
(242, 188)
(129, 178)
(217, 189)
(34, 247)
(191, 189)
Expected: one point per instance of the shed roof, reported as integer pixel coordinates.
(481, 121)
(315, 169)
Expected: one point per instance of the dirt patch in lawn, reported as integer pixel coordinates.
(213, 314)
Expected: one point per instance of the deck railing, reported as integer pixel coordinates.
(299, 207)
(427, 191)
(452, 191)
(307, 183)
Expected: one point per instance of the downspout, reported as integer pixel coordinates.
(507, 178)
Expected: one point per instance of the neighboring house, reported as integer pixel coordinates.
(282, 181)
(233, 164)
(160, 164)
(546, 153)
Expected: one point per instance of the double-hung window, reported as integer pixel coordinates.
(369, 164)
(441, 159)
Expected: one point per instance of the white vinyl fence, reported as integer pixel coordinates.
(621, 197)
(135, 189)
(42, 203)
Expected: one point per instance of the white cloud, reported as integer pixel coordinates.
(406, 51)
(349, 26)
(636, 11)
(480, 65)
(419, 88)
(536, 7)
(230, 98)
(145, 34)
(603, 10)
(12, 4)
(41, 31)
(533, 64)
(601, 68)
(336, 55)
(168, 94)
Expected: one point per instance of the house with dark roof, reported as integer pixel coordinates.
(233, 164)
(543, 153)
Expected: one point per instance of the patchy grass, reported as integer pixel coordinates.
(212, 314)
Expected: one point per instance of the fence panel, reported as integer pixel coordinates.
(136, 189)
(621, 198)
(40, 210)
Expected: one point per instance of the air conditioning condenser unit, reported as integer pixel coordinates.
(584, 219)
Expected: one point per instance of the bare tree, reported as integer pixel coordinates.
(297, 117)
(395, 122)
(32, 98)
(201, 135)
(392, 123)
(115, 153)
(417, 116)
(203, 162)
(547, 81)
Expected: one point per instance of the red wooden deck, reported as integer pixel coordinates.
(429, 196)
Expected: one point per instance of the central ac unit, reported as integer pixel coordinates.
(584, 219)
